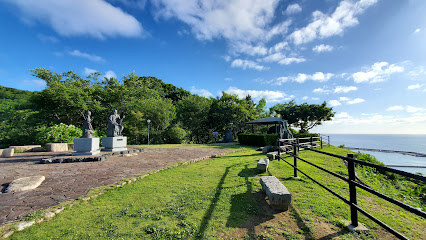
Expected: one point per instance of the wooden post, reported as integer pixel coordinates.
(297, 141)
(328, 141)
(321, 141)
(312, 142)
(295, 161)
(352, 191)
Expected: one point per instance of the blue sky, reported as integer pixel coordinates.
(366, 58)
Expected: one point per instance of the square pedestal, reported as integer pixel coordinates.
(114, 144)
(86, 146)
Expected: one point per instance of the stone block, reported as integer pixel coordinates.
(8, 152)
(114, 144)
(57, 147)
(24, 184)
(267, 149)
(262, 165)
(27, 148)
(278, 195)
(272, 155)
(86, 146)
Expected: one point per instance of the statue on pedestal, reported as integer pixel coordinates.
(115, 127)
(87, 126)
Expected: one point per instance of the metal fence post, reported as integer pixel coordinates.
(295, 161)
(352, 191)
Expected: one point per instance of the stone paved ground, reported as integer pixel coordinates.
(71, 180)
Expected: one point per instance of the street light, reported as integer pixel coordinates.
(148, 121)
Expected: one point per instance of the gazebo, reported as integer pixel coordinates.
(281, 125)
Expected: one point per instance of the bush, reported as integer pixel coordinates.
(175, 134)
(259, 140)
(60, 133)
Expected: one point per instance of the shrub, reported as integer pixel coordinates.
(259, 140)
(175, 134)
(60, 133)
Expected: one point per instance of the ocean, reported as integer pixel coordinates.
(400, 142)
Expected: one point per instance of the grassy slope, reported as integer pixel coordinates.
(222, 198)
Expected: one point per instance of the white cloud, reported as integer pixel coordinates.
(88, 71)
(302, 77)
(412, 109)
(378, 72)
(110, 74)
(237, 21)
(395, 108)
(417, 30)
(244, 64)
(228, 79)
(227, 58)
(279, 47)
(290, 60)
(35, 83)
(249, 49)
(91, 57)
(334, 103)
(270, 96)
(323, 25)
(293, 8)
(355, 101)
(344, 99)
(305, 98)
(201, 92)
(321, 90)
(95, 18)
(344, 89)
(322, 48)
(415, 86)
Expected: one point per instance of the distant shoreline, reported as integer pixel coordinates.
(415, 154)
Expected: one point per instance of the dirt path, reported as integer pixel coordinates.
(72, 180)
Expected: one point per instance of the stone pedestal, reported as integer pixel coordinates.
(86, 146)
(114, 144)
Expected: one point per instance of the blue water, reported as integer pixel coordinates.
(400, 142)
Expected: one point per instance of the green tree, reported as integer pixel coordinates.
(192, 112)
(304, 116)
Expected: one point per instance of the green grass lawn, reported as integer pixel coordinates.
(221, 198)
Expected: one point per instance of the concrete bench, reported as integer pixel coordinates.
(278, 195)
(262, 165)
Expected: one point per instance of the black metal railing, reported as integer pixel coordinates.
(351, 180)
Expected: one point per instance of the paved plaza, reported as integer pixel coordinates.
(71, 180)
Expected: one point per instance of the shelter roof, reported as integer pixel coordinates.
(267, 120)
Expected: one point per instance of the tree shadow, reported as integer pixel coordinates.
(249, 209)
(208, 215)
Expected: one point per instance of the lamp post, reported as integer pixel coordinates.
(148, 121)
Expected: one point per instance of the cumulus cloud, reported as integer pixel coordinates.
(378, 72)
(344, 89)
(110, 74)
(248, 49)
(88, 71)
(322, 48)
(95, 18)
(293, 8)
(88, 56)
(237, 21)
(270, 96)
(279, 47)
(395, 108)
(334, 103)
(321, 90)
(244, 64)
(414, 86)
(201, 92)
(323, 25)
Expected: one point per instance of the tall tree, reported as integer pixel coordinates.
(304, 116)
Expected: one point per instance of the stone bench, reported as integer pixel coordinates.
(57, 147)
(278, 195)
(262, 165)
(7, 152)
(272, 155)
(27, 148)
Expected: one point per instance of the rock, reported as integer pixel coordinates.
(278, 195)
(48, 215)
(8, 152)
(262, 165)
(57, 147)
(59, 210)
(22, 225)
(267, 149)
(24, 184)
(7, 234)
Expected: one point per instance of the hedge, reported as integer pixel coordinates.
(259, 140)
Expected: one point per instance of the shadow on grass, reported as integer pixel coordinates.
(306, 230)
(249, 209)
(208, 214)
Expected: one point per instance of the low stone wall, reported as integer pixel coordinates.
(27, 148)
(89, 158)
(57, 147)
